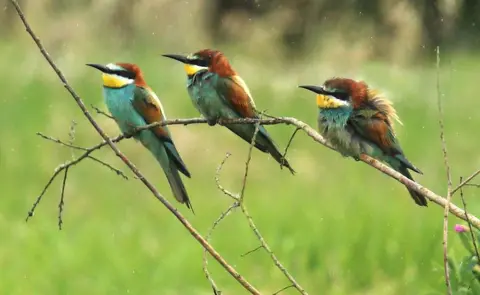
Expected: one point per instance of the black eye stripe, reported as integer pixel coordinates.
(122, 73)
(341, 95)
(199, 62)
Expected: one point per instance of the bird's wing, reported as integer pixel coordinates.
(375, 126)
(234, 91)
(147, 104)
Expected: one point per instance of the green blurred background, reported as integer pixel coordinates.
(339, 226)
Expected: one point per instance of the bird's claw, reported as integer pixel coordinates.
(213, 122)
(356, 158)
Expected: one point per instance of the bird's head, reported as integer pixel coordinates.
(119, 75)
(204, 60)
(339, 92)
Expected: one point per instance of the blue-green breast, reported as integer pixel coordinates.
(119, 104)
(202, 88)
(332, 124)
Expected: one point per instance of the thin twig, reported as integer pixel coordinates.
(474, 240)
(75, 147)
(217, 179)
(39, 198)
(71, 136)
(247, 163)
(217, 222)
(61, 203)
(127, 162)
(466, 181)
(252, 225)
(207, 238)
(251, 251)
(290, 142)
(99, 111)
(283, 289)
(449, 177)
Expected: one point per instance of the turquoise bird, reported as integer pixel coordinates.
(218, 92)
(356, 120)
(133, 104)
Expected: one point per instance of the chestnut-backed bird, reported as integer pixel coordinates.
(133, 104)
(357, 120)
(218, 92)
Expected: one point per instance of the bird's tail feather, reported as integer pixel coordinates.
(178, 188)
(418, 198)
(171, 172)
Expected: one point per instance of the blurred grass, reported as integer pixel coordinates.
(339, 226)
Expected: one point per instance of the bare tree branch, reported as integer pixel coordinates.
(449, 177)
(132, 167)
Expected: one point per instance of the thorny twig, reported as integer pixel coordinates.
(127, 162)
(474, 240)
(449, 177)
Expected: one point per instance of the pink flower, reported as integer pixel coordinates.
(461, 228)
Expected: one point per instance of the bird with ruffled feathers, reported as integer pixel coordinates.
(133, 104)
(356, 120)
(218, 92)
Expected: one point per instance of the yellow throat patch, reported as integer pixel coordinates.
(114, 81)
(192, 69)
(328, 102)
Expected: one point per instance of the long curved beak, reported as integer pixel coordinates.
(101, 68)
(316, 89)
(177, 57)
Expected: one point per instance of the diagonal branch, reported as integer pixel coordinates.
(132, 167)
(449, 177)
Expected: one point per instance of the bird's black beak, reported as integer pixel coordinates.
(101, 68)
(178, 57)
(316, 89)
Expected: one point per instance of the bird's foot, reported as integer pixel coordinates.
(212, 122)
(356, 158)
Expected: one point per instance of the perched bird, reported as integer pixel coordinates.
(133, 104)
(356, 120)
(217, 92)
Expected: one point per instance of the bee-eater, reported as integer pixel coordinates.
(218, 92)
(357, 120)
(133, 104)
